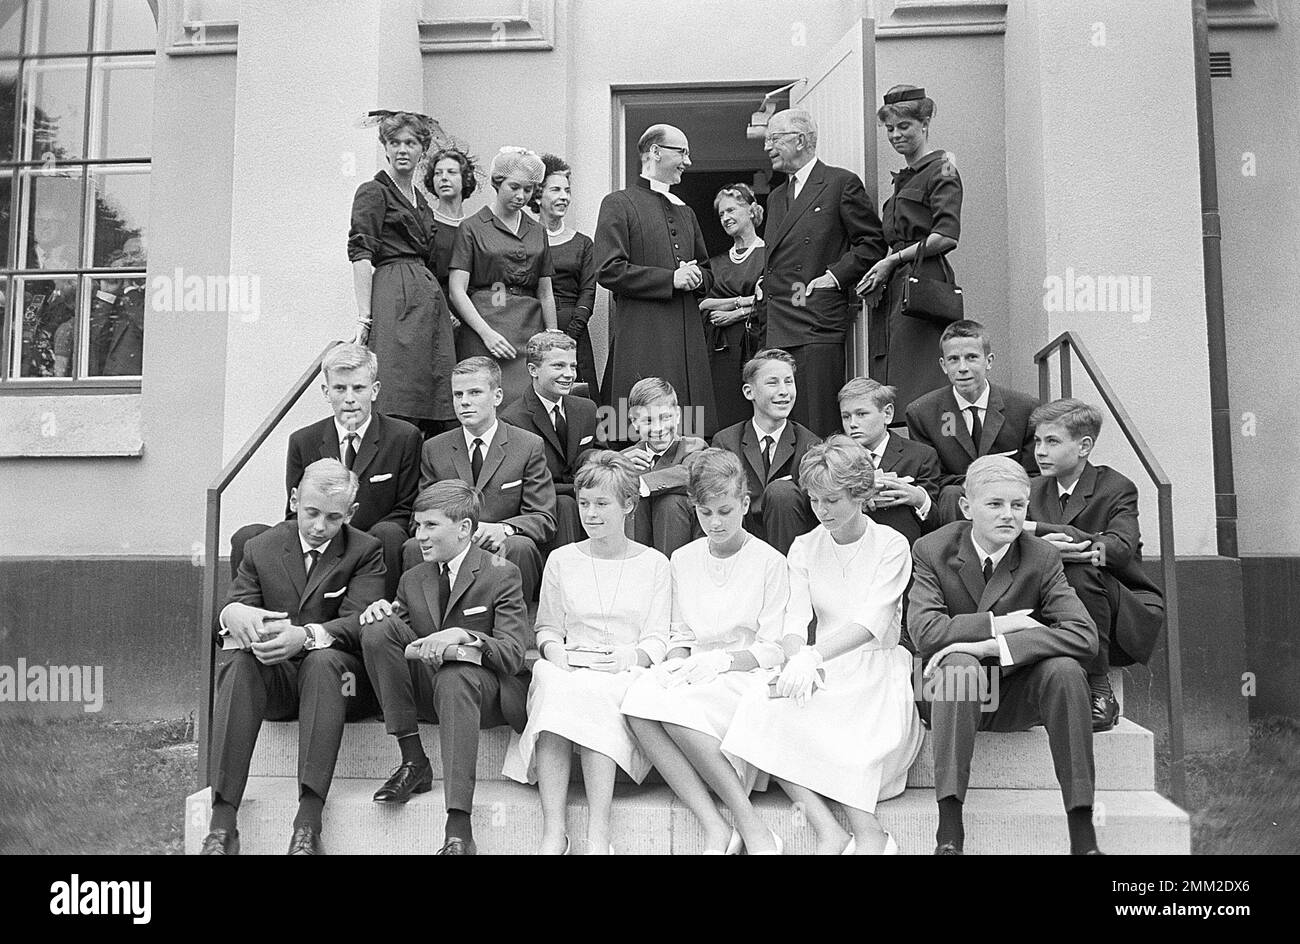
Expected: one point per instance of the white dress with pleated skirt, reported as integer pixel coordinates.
(854, 739)
(737, 603)
(589, 601)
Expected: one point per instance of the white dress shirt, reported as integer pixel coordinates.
(487, 438)
(359, 432)
(1004, 652)
(981, 403)
(658, 186)
(799, 178)
(878, 457)
(550, 405)
(775, 436)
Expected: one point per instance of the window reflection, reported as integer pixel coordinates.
(125, 108)
(127, 24)
(58, 26)
(54, 209)
(117, 321)
(121, 213)
(54, 110)
(48, 308)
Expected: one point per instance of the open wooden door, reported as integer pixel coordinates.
(840, 95)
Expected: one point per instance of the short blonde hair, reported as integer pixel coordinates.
(332, 477)
(859, 387)
(989, 470)
(714, 472)
(350, 357)
(607, 469)
(649, 390)
(839, 463)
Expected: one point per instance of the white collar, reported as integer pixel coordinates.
(981, 403)
(984, 555)
(776, 435)
(453, 567)
(307, 548)
(879, 450)
(801, 175)
(550, 405)
(487, 437)
(658, 186)
(359, 432)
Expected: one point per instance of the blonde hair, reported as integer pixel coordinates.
(713, 473)
(350, 357)
(838, 464)
(606, 469)
(331, 477)
(989, 470)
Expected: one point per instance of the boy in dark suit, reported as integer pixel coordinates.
(663, 518)
(822, 235)
(383, 452)
(990, 610)
(907, 472)
(972, 417)
(567, 424)
(1090, 513)
(770, 447)
(290, 650)
(450, 649)
(506, 464)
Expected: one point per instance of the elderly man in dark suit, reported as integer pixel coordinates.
(650, 254)
(567, 424)
(290, 650)
(506, 464)
(450, 649)
(822, 235)
(1005, 640)
(971, 417)
(383, 452)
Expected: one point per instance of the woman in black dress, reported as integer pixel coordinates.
(449, 176)
(732, 333)
(927, 199)
(501, 272)
(574, 282)
(401, 313)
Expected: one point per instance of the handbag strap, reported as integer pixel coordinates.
(919, 257)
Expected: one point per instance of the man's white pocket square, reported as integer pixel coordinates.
(513, 484)
(474, 611)
(337, 593)
(381, 478)
(585, 439)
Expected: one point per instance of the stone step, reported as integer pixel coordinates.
(1124, 756)
(649, 820)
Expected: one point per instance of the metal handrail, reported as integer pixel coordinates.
(1069, 343)
(212, 548)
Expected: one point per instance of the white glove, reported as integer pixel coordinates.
(667, 673)
(706, 666)
(799, 674)
(620, 660)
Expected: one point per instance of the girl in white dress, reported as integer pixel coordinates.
(605, 603)
(843, 726)
(729, 596)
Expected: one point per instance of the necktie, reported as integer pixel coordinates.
(654, 459)
(312, 558)
(988, 570)
(766, 445)
(561, 425)
(350, 453)
(444, 586)
(976, 427)
(476, 459)
(1065, 500)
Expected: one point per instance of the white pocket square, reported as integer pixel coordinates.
(512, 484)
(1010, 453)
(381, 478)
(337, 593)
(585, 439)
(474, 611)
(817, 209)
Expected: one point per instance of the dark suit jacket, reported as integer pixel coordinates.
(514, 480)
(833, 225)
(934, 420)
(487, 601)
(949, 602)
(1103, 509)
(669, 476)
(790, 448)
(562, 459)
(346, 580)
(908, 457)
(387, 467)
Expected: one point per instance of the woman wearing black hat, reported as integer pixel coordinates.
(927, 200)
(402, 314)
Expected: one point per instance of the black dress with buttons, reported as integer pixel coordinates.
(905, 351)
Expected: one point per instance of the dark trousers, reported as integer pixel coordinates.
(664, 522)
(1098, 591)
(390, 534)
(568, 522)
(819, 374)
(323, 689)
(1053, 693)
(784, 514)
(519, 550)
(460, 697)
(947, 507)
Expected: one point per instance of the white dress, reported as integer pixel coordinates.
(593, 602)
(737, 603)
(854, 739)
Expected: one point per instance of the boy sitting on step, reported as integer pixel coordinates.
(450, 650)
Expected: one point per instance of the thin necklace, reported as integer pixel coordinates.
(844, 564)
(600, 599)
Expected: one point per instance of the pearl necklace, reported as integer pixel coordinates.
(555, 232)
(738, 259)
(452, 220)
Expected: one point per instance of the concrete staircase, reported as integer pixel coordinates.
(1013, 807)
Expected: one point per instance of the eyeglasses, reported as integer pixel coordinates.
(684, 151)
(770, 139)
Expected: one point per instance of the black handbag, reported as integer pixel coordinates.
(930, 299)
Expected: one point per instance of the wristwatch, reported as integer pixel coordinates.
(510, 530)
(311, 638)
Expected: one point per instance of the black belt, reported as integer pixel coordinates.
(395, 259)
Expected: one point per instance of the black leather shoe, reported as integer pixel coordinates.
(948, 848)
(221, 842)
(458, 846)
(1093, 851)
(1105, 706)
(405, 780)
(306, 841)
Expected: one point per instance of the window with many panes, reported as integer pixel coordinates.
(76, 110)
